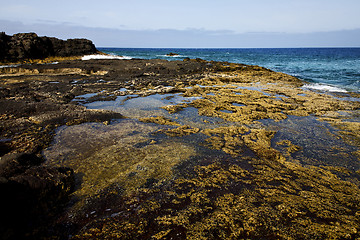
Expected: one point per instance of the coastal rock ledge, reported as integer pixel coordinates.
(24, 46)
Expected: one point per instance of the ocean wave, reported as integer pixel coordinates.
(323, 87)
(99, 56)
(9, 66)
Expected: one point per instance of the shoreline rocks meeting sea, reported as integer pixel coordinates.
(112, 148)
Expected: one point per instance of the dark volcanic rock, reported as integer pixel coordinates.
(172, 54)
(17, 163)
(30, 46)
(72, 47)
(31, 195)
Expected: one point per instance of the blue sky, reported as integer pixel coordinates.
(190, 23)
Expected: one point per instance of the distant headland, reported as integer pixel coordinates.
(25, 46)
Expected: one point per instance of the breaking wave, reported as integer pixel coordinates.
(100, 56)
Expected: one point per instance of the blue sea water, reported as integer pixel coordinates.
(329, 69)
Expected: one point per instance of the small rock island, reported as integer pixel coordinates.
(172, 54)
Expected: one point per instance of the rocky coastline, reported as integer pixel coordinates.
(32, 194)
(255, 185)
(35, 100)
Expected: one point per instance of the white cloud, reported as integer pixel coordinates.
(236, 15)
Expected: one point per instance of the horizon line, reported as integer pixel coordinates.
(229, 47)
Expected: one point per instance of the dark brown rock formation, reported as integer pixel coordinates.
(23, 46)
(31, 195)
(172, 54)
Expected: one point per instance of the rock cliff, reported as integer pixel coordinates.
(24, 46)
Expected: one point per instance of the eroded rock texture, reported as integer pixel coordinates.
(23, 46)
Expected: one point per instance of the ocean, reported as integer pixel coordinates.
(326, 69)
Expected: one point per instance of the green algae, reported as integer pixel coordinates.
(123, 154)
(227, 139)
(284, 194)
(257, 104)
(181, 130)
(291, 148)
(275, 200)
(160, 120)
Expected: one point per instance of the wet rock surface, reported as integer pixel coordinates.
(31, 195)
(257, 156)
(34, 101)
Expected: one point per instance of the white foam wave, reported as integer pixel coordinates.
(323, 87)
(99, 56)
(9, 66)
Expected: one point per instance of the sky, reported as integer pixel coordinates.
(189, 23)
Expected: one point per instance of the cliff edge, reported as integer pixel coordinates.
(24, 46)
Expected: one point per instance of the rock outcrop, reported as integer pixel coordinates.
(172, 54)
(24, 46)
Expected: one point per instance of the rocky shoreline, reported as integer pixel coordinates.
(36, 99)
(252, 184)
